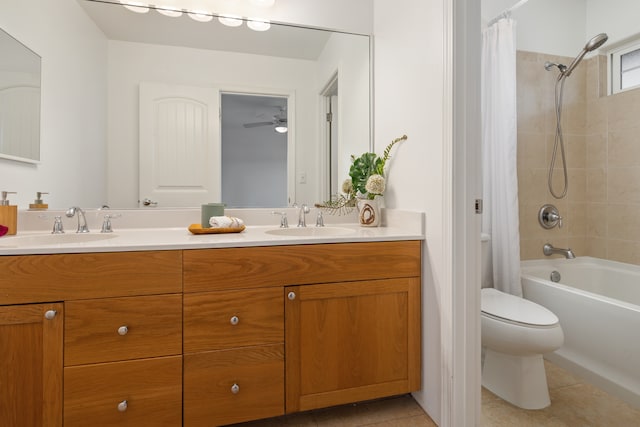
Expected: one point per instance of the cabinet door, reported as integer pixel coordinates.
(352, 341)
(232, 386)
(31, 365)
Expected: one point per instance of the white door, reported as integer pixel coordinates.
(179, 145)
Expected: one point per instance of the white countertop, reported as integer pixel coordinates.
(158, 230)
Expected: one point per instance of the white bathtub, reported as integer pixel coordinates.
(598, 304)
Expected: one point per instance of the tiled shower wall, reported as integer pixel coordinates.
(601, 211)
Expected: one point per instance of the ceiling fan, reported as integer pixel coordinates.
(279, 122)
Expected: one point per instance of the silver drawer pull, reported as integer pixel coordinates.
(291, 295)
(123, 330)
(235, 389)
(50, 314)
(234, 320)
(122, 406)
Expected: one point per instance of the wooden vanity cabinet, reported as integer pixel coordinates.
(206, 337)
(87, 369)
(351, 341)
(31, 365)
(281, 329)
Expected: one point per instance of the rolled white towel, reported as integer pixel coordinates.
(225, 222)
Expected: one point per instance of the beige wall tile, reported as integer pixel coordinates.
(623, 110)
(624, 251)
(596, 146)
(624, 147)
(622, 222)
(597, 220)
(596, 186)
(623, 185)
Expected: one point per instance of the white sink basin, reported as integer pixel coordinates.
(311, 231)
(53, 239)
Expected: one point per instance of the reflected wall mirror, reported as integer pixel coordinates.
(208, 57)
(19, 101)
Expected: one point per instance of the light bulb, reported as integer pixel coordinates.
(258, 24)
(170, 11)
(200, 15)
(281, 129)
(230, 20)
(135, 6)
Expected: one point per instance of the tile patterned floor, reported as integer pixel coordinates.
(573, 404)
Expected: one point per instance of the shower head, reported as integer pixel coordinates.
(549, 65)
(591, 45)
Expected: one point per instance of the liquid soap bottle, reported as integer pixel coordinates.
(8, 213)
(38, 204)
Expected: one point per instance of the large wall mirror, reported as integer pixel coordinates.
(195, 60)
(19, 101)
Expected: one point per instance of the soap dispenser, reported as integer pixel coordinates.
(38, 204)
(8, 213)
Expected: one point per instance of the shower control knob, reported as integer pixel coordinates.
(549, 217)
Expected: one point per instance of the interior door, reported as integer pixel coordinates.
(179, 145)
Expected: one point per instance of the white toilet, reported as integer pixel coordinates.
(515, 334)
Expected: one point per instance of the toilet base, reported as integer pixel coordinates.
(520, 380)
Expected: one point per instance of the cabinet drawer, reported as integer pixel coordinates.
(259, 267)
(224, 320)
(113, 329)
(136, 393)
(210, 397)
(58, 277)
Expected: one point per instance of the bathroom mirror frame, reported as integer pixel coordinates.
(321, 188)
(20, 100)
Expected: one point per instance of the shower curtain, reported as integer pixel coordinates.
(499, 151)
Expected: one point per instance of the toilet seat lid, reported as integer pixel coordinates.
(515, 309)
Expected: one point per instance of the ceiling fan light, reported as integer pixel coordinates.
(170, 11)
(281, 129)
(200, 16)
(135, 6)
(230, 20)
(258, 24)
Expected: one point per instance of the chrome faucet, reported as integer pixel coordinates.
(549, 250)
(302, 215)
(82, 221)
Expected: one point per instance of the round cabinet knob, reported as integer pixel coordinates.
(291, 295)
(50, 314)
(123, 330)
(122, 406)
(235, 389)
(234, 320)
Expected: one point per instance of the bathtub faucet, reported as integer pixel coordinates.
(549, 250)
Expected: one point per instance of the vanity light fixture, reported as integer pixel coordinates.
(170, 11)
(281, 129)
(258, 24)
(200, 15)
(230, 20)
(135, 6)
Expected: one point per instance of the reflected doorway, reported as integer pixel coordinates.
(254, 135)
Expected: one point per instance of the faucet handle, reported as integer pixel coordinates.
(319, 219)
(58, 228)
(106, 223)
(284, 223)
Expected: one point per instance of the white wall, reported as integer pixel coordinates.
(550, 26)
(131, 63)
(617, 18)
(73, 105)
(409, 76)
(349, 56)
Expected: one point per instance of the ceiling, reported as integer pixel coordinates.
(118, 23)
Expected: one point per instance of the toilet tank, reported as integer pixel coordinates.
(486, 267)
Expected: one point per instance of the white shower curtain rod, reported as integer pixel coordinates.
(506, 13)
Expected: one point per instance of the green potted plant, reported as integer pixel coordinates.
(366, 182)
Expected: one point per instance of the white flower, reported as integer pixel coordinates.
(347, 186)
(375, 184)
